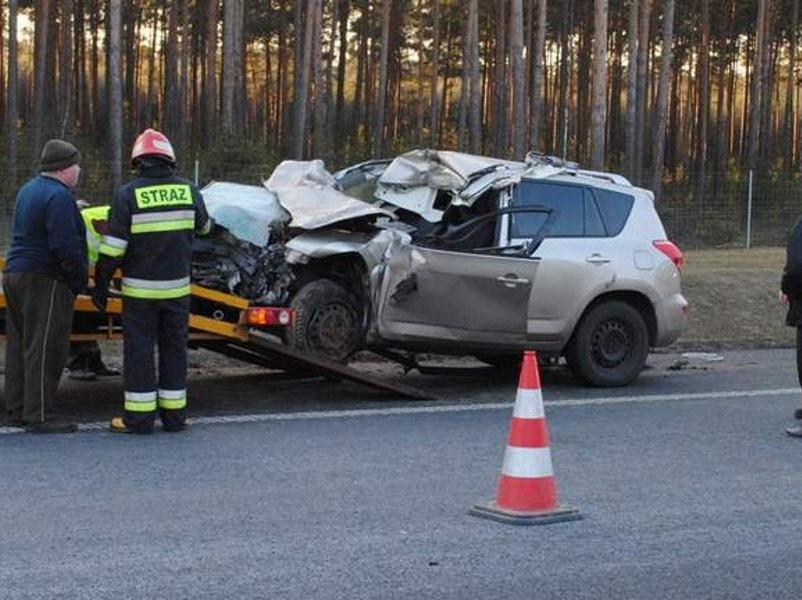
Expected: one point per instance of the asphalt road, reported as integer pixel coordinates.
(687, 487)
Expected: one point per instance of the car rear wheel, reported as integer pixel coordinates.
(609, 346)
(326, 321)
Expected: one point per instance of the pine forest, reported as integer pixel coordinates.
(696, 100)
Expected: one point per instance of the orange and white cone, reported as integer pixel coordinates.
(527, 493)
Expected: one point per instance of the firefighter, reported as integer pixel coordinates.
(149, 236)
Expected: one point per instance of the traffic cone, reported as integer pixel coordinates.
(527, 494)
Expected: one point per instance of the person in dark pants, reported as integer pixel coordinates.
(85, 361)
(46, 267)
(791, 294)
(149, 236)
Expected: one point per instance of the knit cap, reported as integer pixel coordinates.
(58, 155)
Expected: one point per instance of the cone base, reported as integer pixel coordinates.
(513, 517)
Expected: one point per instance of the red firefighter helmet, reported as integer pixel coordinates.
(152, 143)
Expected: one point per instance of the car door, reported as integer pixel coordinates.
(577, 259)
(455, 297)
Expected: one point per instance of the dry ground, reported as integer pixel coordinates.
(733, 299)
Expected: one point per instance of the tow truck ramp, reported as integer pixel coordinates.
(225, 324)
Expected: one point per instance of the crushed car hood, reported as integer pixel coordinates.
(310, 194)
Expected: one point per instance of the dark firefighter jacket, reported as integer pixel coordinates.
(791, 282)
(149, 234)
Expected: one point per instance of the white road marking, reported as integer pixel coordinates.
(453, 408)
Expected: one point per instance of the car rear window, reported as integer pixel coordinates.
(615, 208)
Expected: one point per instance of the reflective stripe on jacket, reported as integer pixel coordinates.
(149, 234)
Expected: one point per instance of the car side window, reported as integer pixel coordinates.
(566, 201)
(615, 208)
(594, 227)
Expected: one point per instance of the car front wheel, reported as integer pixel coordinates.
(326, 321)
(609, 346)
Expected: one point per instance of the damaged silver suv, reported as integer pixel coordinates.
(450, 253)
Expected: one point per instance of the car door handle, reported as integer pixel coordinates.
(597, 259)
(512, 280)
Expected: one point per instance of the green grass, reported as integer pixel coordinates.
(733, 299)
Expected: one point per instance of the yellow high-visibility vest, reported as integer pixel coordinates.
(90, 216)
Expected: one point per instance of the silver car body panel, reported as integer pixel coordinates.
(310, 195)
(463, 298)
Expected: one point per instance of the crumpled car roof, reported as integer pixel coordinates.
(440, 169)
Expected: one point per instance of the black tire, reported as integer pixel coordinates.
(609, 346)
(327, 322)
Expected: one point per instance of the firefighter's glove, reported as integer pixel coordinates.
(100, 293)
(100, 297)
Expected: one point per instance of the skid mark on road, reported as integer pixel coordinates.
(453, 408)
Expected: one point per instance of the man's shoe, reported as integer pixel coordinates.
(117, 425)
(105, 371)
(82, 375)
(795, 431)
(174, 428)
(52, 426)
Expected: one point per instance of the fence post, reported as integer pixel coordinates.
(749, 213)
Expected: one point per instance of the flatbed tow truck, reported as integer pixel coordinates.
(229, 325)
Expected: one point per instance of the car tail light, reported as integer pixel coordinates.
(265, 316)
(672, 251)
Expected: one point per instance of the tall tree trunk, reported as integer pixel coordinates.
(379, 133)
(233, 62)
(319, 99)
(12, 93)
(566, 26)
(474, 82)
(519, 128)
(115, 102)
(78, 66)
(184, 132)
(302, 85)
(340, 121)
(64, 102)
(789, 116)
(630, 143)
(421, 48)
(211, 17)
(172, 119)
(501, 82)
(757, 85)
(41, 35)
(434, 111)
(538, 59)
(643, 88)
(599, 92)
(667, 53)
(703, 101)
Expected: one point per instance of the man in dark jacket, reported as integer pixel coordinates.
(46, 267)
(791, 294)
(149, 235)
